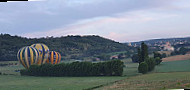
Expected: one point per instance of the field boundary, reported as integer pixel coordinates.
(99, 86)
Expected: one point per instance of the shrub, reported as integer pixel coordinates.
(157, 60)
(33, 70)
(143, 67)
(24, 72)
(135, 58)
(151, 63)
(163, 55)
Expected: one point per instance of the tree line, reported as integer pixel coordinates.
(180, 51)
(108, 68)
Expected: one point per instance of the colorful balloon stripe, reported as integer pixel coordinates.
(43, 52)
(54, 57)
(28, 56)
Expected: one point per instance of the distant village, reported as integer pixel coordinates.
(164, 45)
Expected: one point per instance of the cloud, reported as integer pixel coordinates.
(120, 27)
(50, 14)
(110, 18)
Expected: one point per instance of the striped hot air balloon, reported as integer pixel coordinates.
(59, 58)
(43, 51)
(28, 56)
(54, 57)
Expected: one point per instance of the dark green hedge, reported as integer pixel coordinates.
(109, 68)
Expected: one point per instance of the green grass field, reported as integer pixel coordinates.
(173, 66)
(131, 79)
(16, 82)
(167, 75)
(130, 69)
(10, 69)
(153, 81)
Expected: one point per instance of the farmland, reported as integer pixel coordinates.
(9, 82)
(173, 74)
(168, 75)
(177, 57)
(174, 66)
(12, 80)
(153, 81)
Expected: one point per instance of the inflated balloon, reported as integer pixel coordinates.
(43, 51)
(59, 57)
(54, 57)
(28, 56)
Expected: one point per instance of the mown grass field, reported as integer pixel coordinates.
(167, 75)
(153, 81)
(130, 68)
(174, 66)
(173, 74)
(10, 69)
(16, 82)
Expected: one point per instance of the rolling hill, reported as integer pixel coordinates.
(70, 47)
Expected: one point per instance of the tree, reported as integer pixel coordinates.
(76, 46)
(1, 53)
(173, 53)
(143, 52)
(109, 68)
(182, 50)
(104, 57)
(139, 55)
(163, 55)
(121, 56)
(151, 63)
(156, 54)
(143, 68)
(157, 60)
(135, 58)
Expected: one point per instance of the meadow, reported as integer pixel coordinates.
(12, 80)
(16, 82)
(153, 81)
(173, 74)
(173, 66)
(167, 75)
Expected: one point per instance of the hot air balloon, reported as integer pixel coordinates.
(59, 58)
(43, 51)
(28, 56)
(54, 57)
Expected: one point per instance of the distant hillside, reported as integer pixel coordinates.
(75, 47)
(173, 41)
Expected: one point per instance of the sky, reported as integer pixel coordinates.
(119, 20)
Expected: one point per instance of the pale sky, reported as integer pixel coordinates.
(119, 20)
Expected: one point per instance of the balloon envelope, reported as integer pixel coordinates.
(59, 57)
(28, 56)
(43, 51)
(54, 57)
